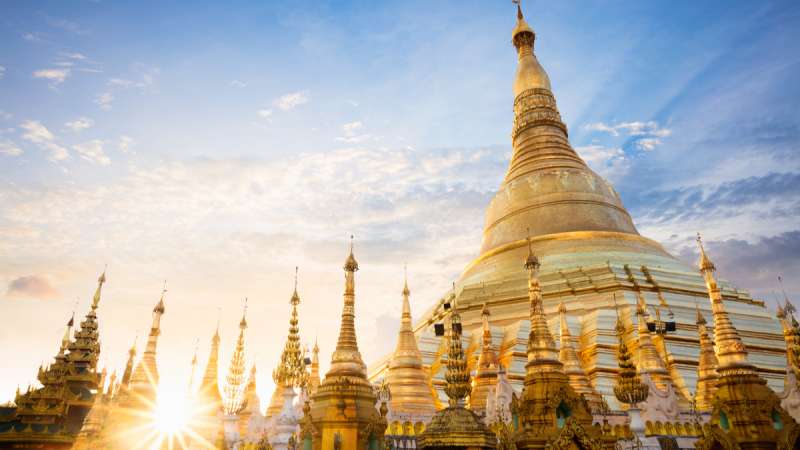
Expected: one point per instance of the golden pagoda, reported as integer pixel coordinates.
(486, 370)
(342, 414)
(409, 385)
(572, 364)
(589, 249)
(456, 427)
(288, 375)
(131, 420)
(50, 417)
(745, 412)
(313, 379)
(706, 368)
(550, 414)
(235, 379)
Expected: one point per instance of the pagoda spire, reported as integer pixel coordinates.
(457, 376)
(344, 403)
(706, 367)
(541, 346)
(66, 338)
(408, 383)
(730, 349)
(486, 374)
(126, 376)
(209, 386)
(744, 407)
(313, 376)
(96, 299)
(234, 381)
(194, 369)
(650, 361)
(547, 186)
(290, 372)
(629, 388)
(346, 359)
(145, 377)
(572, 364)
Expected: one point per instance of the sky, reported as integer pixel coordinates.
(217, 146)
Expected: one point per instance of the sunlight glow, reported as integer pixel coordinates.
(172, 413)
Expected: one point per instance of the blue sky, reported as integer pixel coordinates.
(218, 146)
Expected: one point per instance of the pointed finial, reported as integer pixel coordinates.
(532, 263)
(100, 281)
(562, 308)
(243, 323)
(700, 319)
(295, 296)
(485, 310)
(406, 291)
(788, 306)
(705, 262)
(519, 8)
(351, 265)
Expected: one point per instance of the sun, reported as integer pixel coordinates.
(171, 415)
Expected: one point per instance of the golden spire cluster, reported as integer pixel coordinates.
(291, 370)
(457, 377)
(234, 381)
(629, 388)
(706, 367)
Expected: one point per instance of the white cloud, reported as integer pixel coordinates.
(610, 162)
(55, 76)
(38, 134)
(351, 133)
(80, 124)
(125, 143)
(5, 115)
(647, 144)
(238, 84)
(292, 100)
(74, 55)
(8, 148)
(636, 128)
(92, 151)
(104, 100)
(32, 37)
(264, 113)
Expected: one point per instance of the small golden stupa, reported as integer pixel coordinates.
(409, 384)
(550, 414)
(342, 414)
(745, 412)
(456, 427)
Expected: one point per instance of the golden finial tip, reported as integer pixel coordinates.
(350, 264)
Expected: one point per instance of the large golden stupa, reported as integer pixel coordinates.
(590, 249)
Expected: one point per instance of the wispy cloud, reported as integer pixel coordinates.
(55, 76)
(32, 37)
(238, 84)
(609, 162)
(38, 134)
(125, 144)
(92, 151)
(8, 148)
(646, 135)
(35, 287)
(292, 100)
(104, 100)
(80, 124)
(265, 114)
(353, 133)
